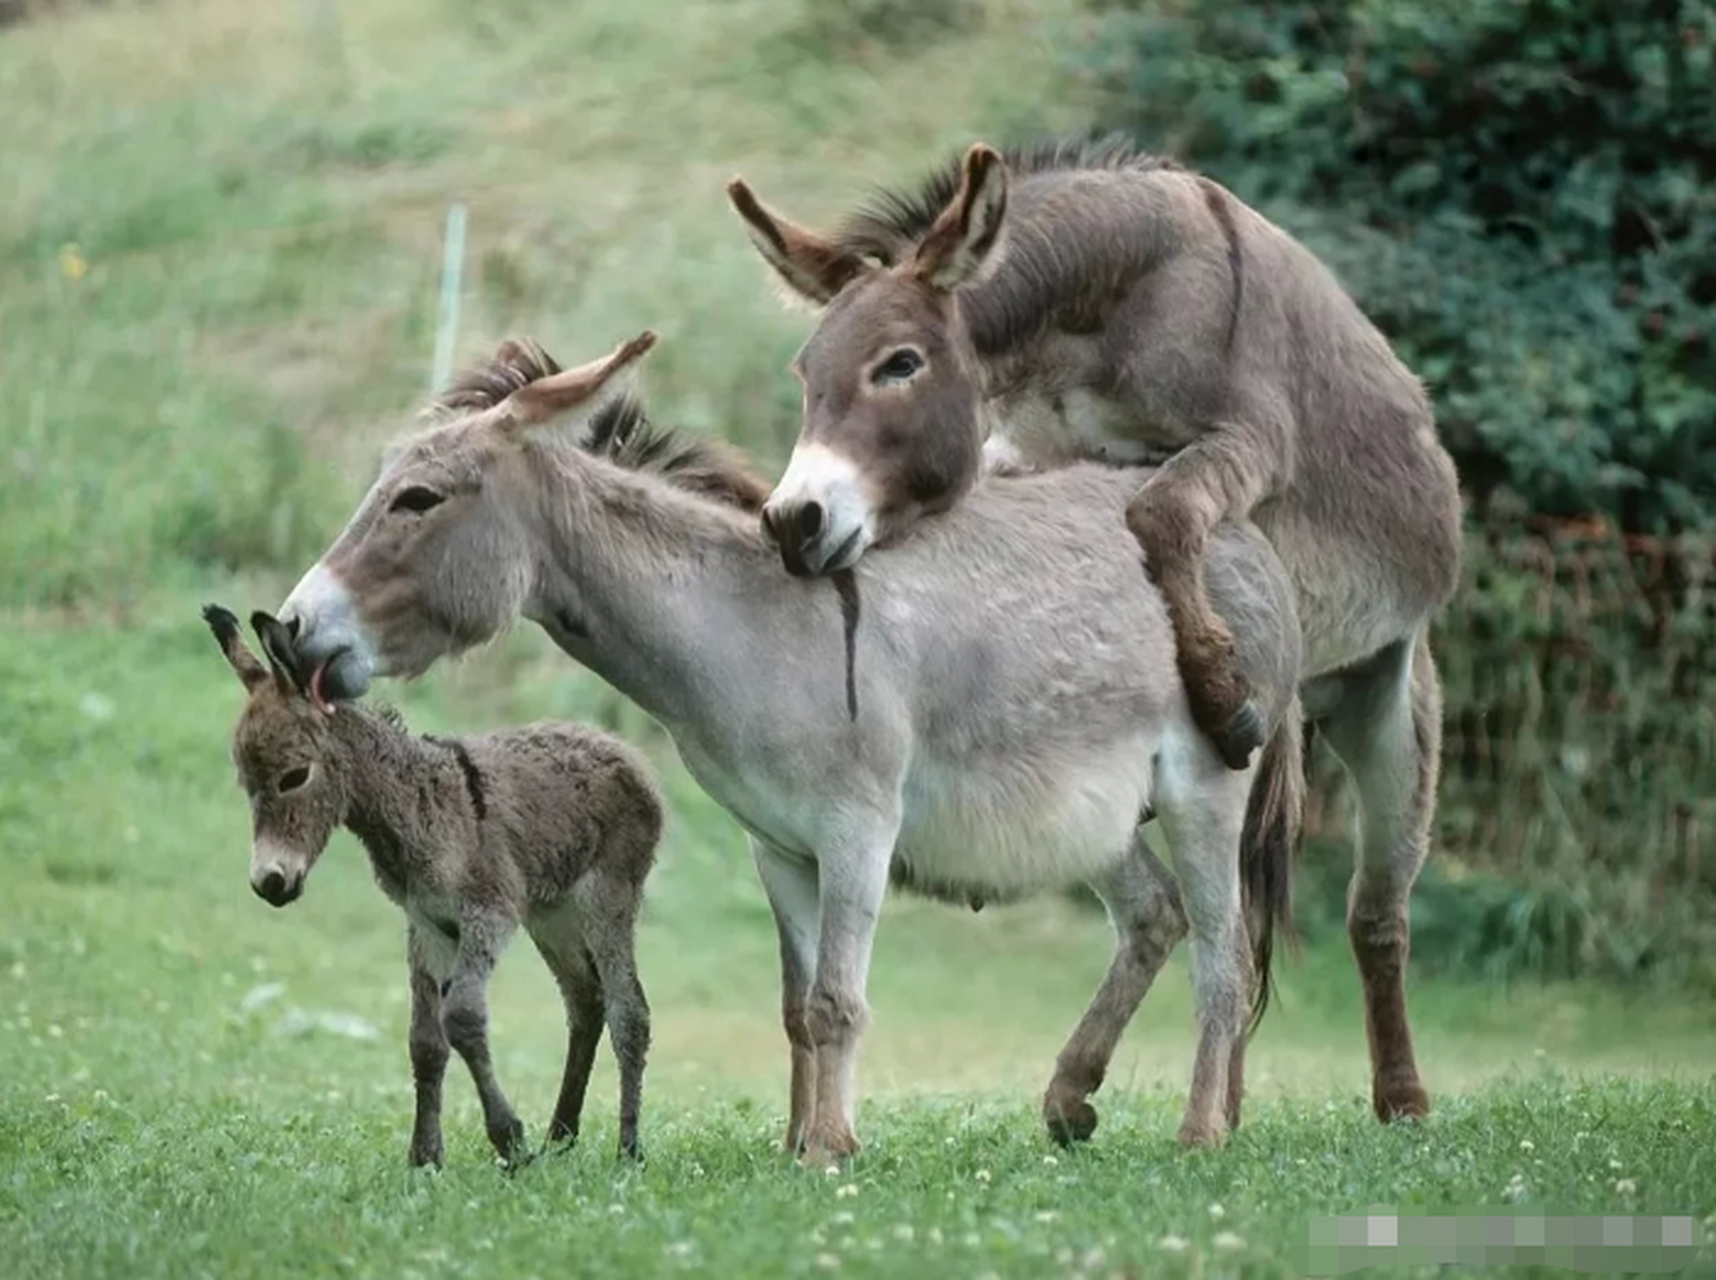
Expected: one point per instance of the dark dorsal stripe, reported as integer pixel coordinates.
(893, 222)
(847, 586)
(468, 767)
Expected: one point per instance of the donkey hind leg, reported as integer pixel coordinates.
(1144, 907)
(429, 1050)
(1387, 729)
(1203, 812)
(563, 952)
(792, 888)
(611, 908)
(1172, 518)
(465, 1018)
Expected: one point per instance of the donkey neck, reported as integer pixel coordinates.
(405, 794)
(668, 596)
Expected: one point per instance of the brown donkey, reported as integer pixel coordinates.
(1095, 303)
(553, 827)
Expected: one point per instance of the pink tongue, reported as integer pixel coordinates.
(316, 697)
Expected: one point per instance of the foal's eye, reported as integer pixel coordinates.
(898, 367)
(292, 779)
(418, 498)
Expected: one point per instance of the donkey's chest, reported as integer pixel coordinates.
(1034, 428)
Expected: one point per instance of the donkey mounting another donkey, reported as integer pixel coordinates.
(1093, 303)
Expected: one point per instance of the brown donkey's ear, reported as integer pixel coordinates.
(277, 644)
(962, 242)
(812, 267)
(226, 633)
(579, 394)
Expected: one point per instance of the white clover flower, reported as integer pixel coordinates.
(983, 1176)
(846, 1191)
(1227, 1242)
(1626, 1187)
(1527, 1145)
(1173, 1244)
(1217, 1213)
(828, 1262)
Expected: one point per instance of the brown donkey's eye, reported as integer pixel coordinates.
(898, 367)
(292, 779)
(417, 498)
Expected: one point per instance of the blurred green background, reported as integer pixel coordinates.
(220, 245)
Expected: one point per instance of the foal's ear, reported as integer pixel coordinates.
(812, 267)
(573, 397)
(963, 241)
(277, 644)
(224, 624)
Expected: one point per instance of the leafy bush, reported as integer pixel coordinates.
(1521, 192)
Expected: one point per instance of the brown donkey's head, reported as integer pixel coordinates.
(284, 750)
(893, 428)
(437, 558)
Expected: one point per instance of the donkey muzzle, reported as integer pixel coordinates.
(796, 529)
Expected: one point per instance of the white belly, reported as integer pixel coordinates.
(1014, 829)
(1032, 430)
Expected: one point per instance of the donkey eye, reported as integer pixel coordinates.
(898, 367)
(417, 498)
(292, 779)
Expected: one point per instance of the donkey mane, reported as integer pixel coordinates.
(621, 432)
(893, 221)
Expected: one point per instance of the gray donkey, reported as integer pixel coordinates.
(1095, 303)
(1018, 707)
(553, 827)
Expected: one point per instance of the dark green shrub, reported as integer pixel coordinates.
(1521, 192)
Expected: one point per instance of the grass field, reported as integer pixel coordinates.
(219, 238)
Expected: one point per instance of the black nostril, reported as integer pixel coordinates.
(273, 886)
(809, 521)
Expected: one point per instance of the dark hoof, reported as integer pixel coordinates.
(1406, 1100)
(1242, 735)
(426, 1157)
(1073, 1122)
(632, 1151)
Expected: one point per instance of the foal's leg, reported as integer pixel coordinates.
(562, 951)
(465, 1018)
(1221, 475)
(792, 888)
(852, 882)
(1387, 729)
(1203, 809)
(1144, 907)
(610, 908)
(428, 1051)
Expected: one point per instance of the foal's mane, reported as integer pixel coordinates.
(894, 221)
(621, 433)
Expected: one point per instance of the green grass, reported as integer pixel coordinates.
(219, 237)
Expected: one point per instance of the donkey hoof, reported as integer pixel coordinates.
(1400, 1100)
(426, 1157)
(1240, 736)
(1070, 1122)
(1201, 1135)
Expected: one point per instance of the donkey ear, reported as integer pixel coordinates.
(575, 396)
(277, 644)
(812, 267)
(964, 241)
(224, 624)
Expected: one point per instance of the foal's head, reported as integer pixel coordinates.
(893, 427)
(283, 747)
(437, 558)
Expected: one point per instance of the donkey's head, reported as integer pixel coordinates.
(286, 757)
(437, 557)
(893, 426)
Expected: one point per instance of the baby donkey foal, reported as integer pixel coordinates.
(553, 827)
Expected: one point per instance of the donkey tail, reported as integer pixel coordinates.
(1268, 848)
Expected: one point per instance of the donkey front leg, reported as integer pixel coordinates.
(792, 888)
(853, 880)
(465, 1018)
(1203, 810)
(1222, 475)
(1144, 907)
(428, 1052)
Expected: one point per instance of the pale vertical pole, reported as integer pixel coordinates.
(452, 268)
